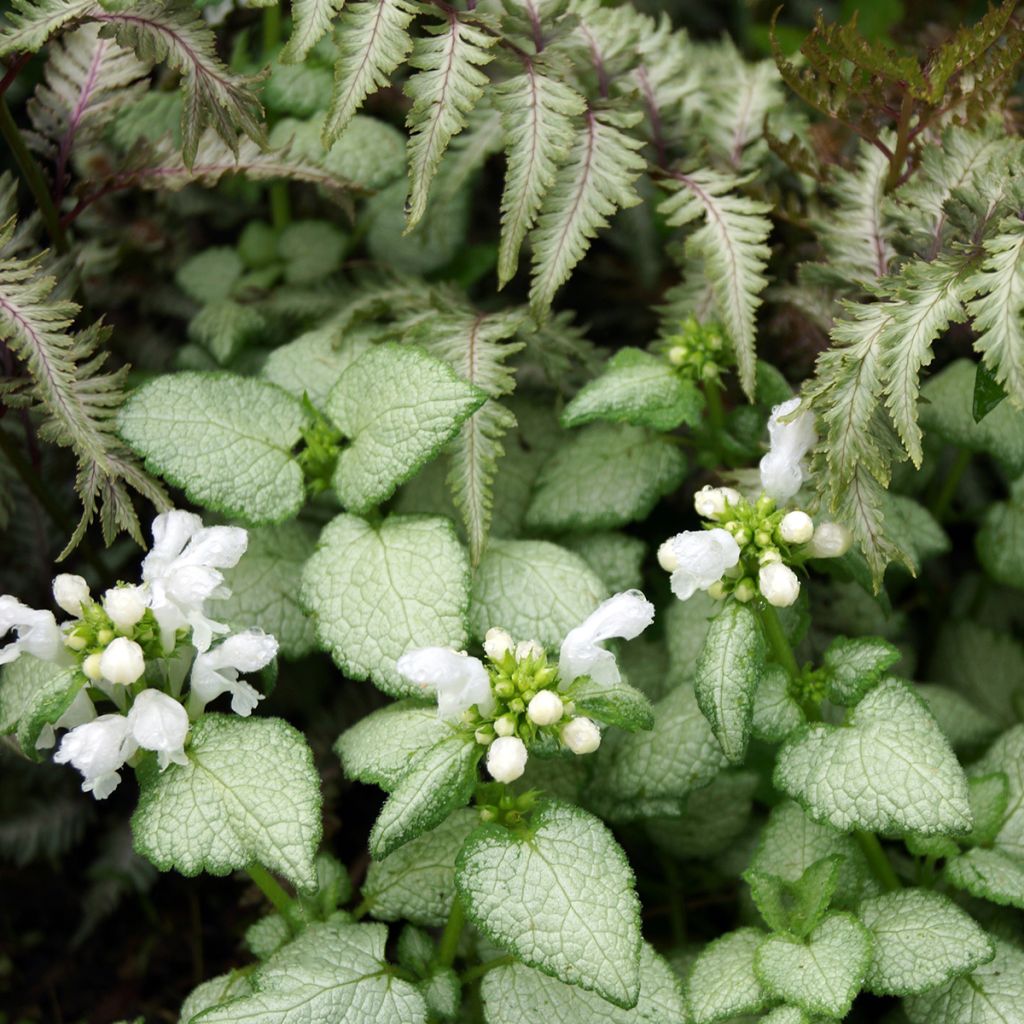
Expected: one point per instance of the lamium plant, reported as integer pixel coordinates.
(528, 496)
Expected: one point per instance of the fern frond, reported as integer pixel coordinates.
(78, 401)
(373, 39)
(31, 22)
(563, 351)
(468, 151)
(537, 112)
(477, 346)
(43, 829)
(87, 80)
(176, 33)
(997, 308)
(597, 180)
(731, 243)
(666, 77)
(446, 86)
(311, 20)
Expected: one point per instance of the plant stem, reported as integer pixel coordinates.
(777, 639)
(451, 935)
(944, 498)
(33, 177)
(271, 28)
(899, 156)
(280, 204)
(877, 860)
(273, 890)
(362, 910)
(716, 414)
(470, 975)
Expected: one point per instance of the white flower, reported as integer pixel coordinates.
(216, 671)
(782, 470)
(159, 723)
(91, 667)
(624, 615)
(711, 502)
(581, 736)
(506, 758)
(545, 708)
(125, 606)
(69, 592)
(699, 558)
(182, 571)
(667, 556)
(122, 661)
(38, 633)
(497, 643)
(796, 527)
(80, 711)
(779, 584)
(458, 680)
(830, 540)
(529, 649)
(98, 749)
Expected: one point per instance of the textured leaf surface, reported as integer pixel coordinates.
(604, 477)
(313, 362)
(34, 693)
(920, 939)
(398, 406)
(615, 558)
(639, 388)
(214, 992)
(560, 898)
(248, 793)
(311, 19)
(722, 983)
(377, 592)
(984, 665)
(417, 881)
(618, 704)
(889, 770)
(515, 994)
(854, 666)
(728, 672)
(332, 972)
(776, 714)
(226, 441)
(535, 590)
(822, 975)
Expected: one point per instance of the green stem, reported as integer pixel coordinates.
(271, 29)
(944, 498)
(716, 414)
(899, 156)
(33, 177)
(362, 910)
(280, 205)
(470, 975)
(451, 935)
(877, 860)
(274, 891)
(777, 640)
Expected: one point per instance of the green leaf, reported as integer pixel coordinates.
(559, 897)
(776, 714)
(438, 780)
(992, 994)
(226, 441)
(616, 558)
(888, 770)
(417, 881)
(398, 406)
(265, 585)
(618, 704)
(224, 329)
(984, 665)
(514, 994)
(29, 23)
(966, 726)
(722, 983)
(990, 874)
(211, 275)
(639, 388)
(331, 972)
(1000, 542)
(381, 747)
(990, 801)
(651, 773)
(249, 793)
(312, 250)
(796, 908)
(854, 666)
(686, 628)
(728, 672)
(33, 694)
(377, 592)
(535, 590)
(920, 940)
(311, 20)
(821, 975)
(604, 477)
(988, 393)
(214, 992)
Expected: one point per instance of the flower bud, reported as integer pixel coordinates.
(779, 584)
(497, 643)
(484, 735)
(91, 667)
(711, 502)
(768, 556)
(667, 557)
(506, 758)
(796, 527)
(716, 591)
(546, 708)
(122, 662)
(75, 642)
(830, 540)
(529, 649)
(677, 354)
(745, 590)
(159, 723)
(742, 536)
(505, 726)
(581, 736)
(125, 606)
(69, 592)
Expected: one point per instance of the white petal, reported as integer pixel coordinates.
(97, 748)
(702, 556)
(159, 723)
(69, 592)
(216, 671)
(122, 662)
(101, 786)
(506, 758)
(38, 632)
(624, 615)
(244, 698)
(581, 736)
(782, 471)
(125, 606)
(171, 532)
(248, 651)
(458, 680)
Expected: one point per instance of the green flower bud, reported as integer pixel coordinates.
(746, 589)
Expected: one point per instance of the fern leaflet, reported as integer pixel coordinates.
(31, 22)
(311, 19)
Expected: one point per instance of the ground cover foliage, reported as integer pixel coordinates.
(511, 510)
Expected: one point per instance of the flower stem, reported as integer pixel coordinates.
(274, 891)
(944, 497)
(716, 414)
(451, 935)
(777, 640)
(470, 975)
(33, 177)
(877, 860)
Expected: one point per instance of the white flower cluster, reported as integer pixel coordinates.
(520, 694)
(742, 554)
(162, 622)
